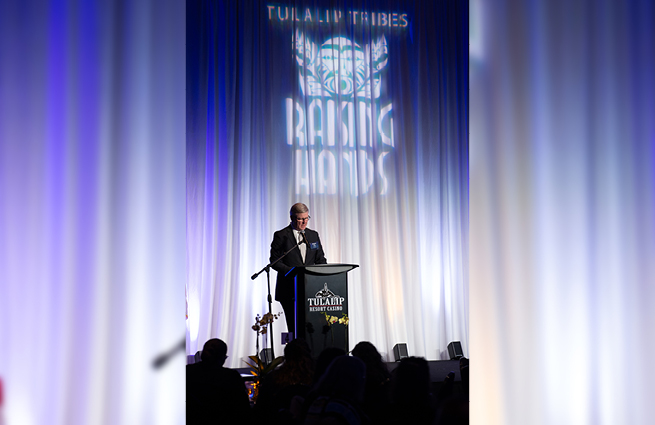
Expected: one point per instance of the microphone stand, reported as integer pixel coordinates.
(267, 269)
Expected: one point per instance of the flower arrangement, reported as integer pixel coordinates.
(261, 325)
(332, 320)
(259, 368)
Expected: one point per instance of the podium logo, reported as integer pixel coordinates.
(326, 300)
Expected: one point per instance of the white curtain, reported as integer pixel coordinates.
(562, 208)
(92, 235)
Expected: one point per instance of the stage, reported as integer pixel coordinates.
(439, 369)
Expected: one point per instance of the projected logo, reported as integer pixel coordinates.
(343, 135)
(326, 300)
(340, 67)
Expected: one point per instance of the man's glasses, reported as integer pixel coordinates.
(303, 219)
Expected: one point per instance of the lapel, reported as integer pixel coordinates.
(308, 253)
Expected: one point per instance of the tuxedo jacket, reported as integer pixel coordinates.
(284, 240)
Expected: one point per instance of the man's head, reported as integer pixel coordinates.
(299, 216)
(214, 351)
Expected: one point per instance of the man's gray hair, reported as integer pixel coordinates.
(298, 208)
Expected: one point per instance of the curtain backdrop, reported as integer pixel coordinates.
(562, 212)
(357, 109)
(91, 212)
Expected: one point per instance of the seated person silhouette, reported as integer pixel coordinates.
(215, 394)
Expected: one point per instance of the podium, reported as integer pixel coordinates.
(321, 295)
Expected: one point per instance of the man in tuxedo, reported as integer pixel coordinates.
(308, 252)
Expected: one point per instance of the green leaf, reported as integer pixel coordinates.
(257, 361)
(254, 366)
(275, 363)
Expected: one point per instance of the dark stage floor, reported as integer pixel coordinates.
(439, 369)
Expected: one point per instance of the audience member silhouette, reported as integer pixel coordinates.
(338, 396)
(378, 382)
(324, 359)
(453, 407)
(293, 378)
(214, 394)
(447, 388)
(464, 374)
(453, 411)
(412, 400)
(357, 390)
